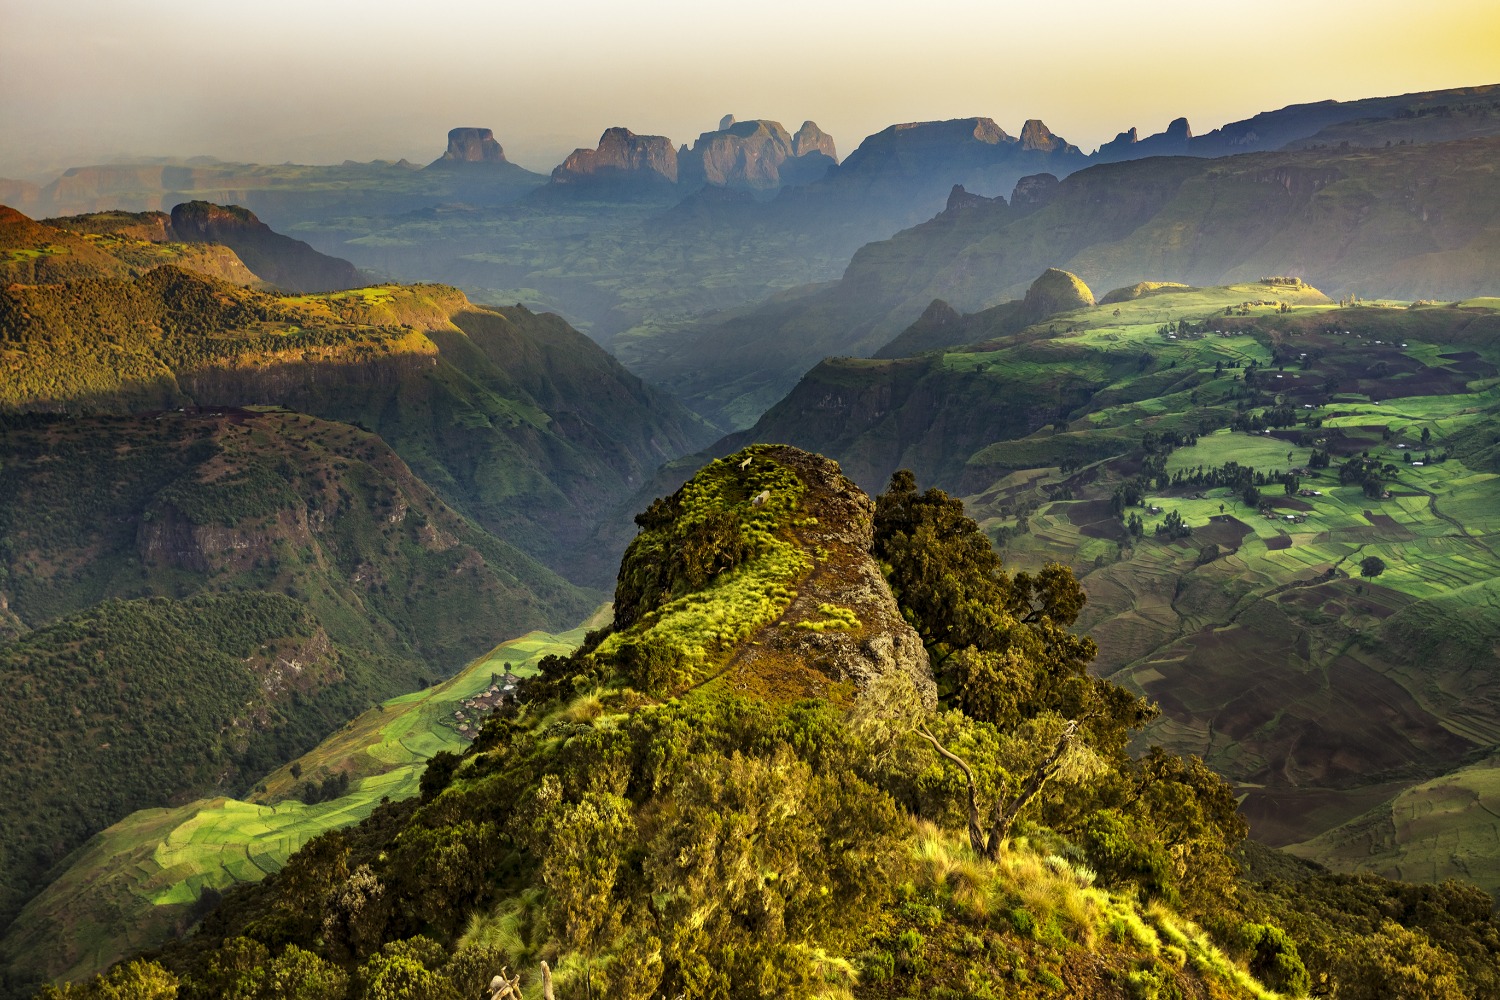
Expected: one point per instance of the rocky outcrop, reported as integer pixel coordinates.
(471, 145)
(1056, 291)
(757, 155)
(1175, 141)
(1034, 191)
(622, 157)
(838, 531)
(960, 200)
(811, 139)
(286, 263)
(1037, 137)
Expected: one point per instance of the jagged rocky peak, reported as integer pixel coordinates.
(1129, 145)
(1036, 136)
(472, 145)
(1034, 191)
(811, 139)
(621, 156)
(758, 154)
(1179, 129)
(769, 548)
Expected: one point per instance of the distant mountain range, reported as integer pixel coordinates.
(631, 238)
(1406, 221)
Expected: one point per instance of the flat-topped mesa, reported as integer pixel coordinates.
(622, 156)
(917, 148)
(757, 154)
(960, 146)
(471, 145)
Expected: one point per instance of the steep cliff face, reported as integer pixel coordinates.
(623, 158)
(514, 417)
(289, 264)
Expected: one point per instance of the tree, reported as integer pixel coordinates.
(1066, 758)
(1371, 566)
(138, 980)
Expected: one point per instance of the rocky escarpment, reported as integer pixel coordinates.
(960, 200)
(622, 157)
(288, 264)
(471, 145)
(759, 155)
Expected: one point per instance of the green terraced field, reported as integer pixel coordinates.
(1323, 693)
(130, 885)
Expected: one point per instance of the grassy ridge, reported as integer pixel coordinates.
(139, 881)
(516, 419)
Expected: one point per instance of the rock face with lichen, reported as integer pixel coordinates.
(844, 578)
(757, 576)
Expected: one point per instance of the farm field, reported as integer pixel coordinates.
(1350, 709)
(146, 875)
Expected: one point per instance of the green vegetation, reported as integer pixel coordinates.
(1127, 447)
(713, 562)
(96, 724)
(358, 581)
(136, 882)
(713, 844)
(515, 419)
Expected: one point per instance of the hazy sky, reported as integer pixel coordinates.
(319, 81)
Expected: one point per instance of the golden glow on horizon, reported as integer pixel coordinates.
(322, 80)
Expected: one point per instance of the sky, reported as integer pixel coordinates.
(321, 81)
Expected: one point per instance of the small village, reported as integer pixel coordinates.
(470, 714)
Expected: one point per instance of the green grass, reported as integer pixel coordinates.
(125, 889)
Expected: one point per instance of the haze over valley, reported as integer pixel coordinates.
(477, 520)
